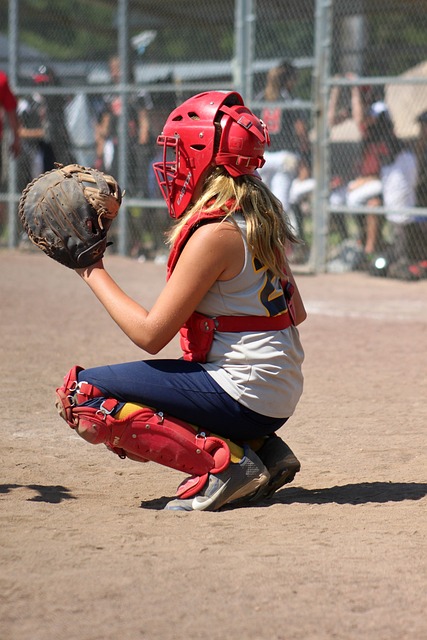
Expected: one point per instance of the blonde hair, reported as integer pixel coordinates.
(268, 227)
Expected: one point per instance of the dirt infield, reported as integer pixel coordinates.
(87, 552)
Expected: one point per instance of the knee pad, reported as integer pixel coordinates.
(145, 434)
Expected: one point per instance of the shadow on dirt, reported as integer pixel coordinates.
(359, 493)
(50, 493)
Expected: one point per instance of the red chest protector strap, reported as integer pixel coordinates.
(196, 335)
(187, 230)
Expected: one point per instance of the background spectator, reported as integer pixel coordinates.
(374, 123)
(80, 119)
(365, 189)
(8, 105)
(421, 152)
(405, 184)
(43, 129)
(289, 152)
(140, 142)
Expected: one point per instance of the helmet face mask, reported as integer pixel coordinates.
(190, 145)
(166, 170)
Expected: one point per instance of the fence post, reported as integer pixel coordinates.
(244, 25)
(321, 146)
(13, 76)
(122, 49)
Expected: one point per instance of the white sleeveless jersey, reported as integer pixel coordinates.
(260, 370)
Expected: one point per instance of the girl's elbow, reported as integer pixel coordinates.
(151, 345)
(152, 349)
(151, 337)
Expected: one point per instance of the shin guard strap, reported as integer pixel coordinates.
(142, 435)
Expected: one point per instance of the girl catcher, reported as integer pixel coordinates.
(212, 414)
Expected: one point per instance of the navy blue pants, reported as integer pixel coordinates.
(184, 390)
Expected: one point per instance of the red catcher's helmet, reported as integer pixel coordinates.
(190, 144)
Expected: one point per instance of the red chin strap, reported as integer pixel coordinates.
(239, 165)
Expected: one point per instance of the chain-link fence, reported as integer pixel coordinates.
(342, 86)
(374, 130)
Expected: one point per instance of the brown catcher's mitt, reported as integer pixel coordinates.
(68, 211)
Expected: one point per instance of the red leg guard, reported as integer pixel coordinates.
(143, 435)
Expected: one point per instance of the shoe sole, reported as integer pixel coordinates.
(282, 471)
(266, 492)
(284, 477)
(250, 489)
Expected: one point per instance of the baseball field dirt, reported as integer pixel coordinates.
(86, 551)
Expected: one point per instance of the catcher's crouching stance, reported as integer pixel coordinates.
(67, 213)
(230, 294)
(143, 434)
